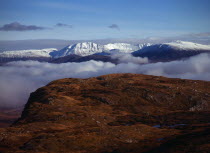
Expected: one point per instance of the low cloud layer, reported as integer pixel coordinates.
(114, 26)
(19, 79)
(128, 58)
(16, 26)
(63, 25)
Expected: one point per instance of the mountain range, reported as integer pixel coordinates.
(155, 52)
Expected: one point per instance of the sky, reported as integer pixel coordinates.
(102, 19)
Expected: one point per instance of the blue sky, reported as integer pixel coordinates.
(94, 19)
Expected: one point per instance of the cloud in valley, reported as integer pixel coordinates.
(19, 79)
(128, 58)
(16, 26)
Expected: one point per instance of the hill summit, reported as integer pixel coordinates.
(113, 113)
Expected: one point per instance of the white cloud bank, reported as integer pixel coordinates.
(128, 58)
(19, 79)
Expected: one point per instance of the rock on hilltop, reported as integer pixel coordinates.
(113, 113)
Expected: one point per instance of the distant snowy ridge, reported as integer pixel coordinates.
(28, 53)
(174, 46)
(121, 47)
(90, 48)
(177, 50)
(81, 49)
(184, 45)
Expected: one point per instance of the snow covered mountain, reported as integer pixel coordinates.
(172, 51)
(89, 48)
(177, 45)
(28, 53)
(157, 52)
(81, 49)
(190, 46)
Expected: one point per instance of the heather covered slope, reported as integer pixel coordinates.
(114, 113)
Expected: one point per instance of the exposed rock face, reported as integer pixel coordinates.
(114, 113)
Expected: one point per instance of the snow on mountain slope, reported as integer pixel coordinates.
(89, 48)
(175, 46)
(121, 47)
(184, 45)
(81, 49)
(28, 53)
(86, 48)
(141, 46)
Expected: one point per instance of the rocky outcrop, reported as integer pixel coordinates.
(113, 113)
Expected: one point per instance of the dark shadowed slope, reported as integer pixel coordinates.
(164, 53)
(77, 59)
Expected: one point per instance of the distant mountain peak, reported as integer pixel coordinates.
(28, 53)
(81, 49)
(172, 51)
(185, 45)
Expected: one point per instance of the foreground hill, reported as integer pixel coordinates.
(114, 113)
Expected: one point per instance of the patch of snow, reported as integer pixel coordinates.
(121, 47)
